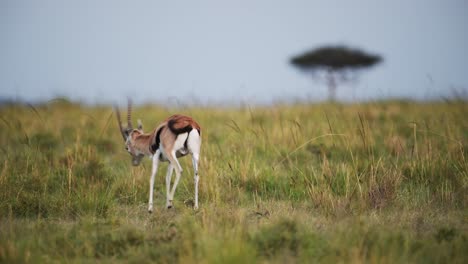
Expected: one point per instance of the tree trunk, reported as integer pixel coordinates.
(331, 83)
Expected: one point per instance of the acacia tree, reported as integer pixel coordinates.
(334, 64)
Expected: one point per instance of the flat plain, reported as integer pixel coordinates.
(377, 182)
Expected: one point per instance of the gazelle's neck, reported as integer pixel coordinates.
(142, 143)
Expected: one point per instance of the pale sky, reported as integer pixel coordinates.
(102, 51)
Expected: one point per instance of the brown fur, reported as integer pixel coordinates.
(141, 141)
(180, 122)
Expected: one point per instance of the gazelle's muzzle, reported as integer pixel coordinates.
(136, 160)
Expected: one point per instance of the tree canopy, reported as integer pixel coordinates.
(335, 58)
(336, 62)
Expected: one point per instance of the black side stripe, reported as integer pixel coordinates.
(157, 140)
(185, 143)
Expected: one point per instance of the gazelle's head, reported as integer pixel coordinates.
(129, 134)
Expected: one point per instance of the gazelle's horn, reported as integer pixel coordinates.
(129, 114)
(117, 113)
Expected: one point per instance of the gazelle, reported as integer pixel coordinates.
(175, 137)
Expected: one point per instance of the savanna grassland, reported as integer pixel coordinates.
(382, 182)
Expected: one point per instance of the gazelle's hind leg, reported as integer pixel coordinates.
(176, 165)
(170, 168)
(195, 157)
(170, 154)
(194, 143)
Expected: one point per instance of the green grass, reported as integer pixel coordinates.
(382, 182)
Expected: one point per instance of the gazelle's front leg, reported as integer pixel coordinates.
(153, 174)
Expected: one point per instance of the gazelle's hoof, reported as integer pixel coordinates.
(189, 203)
(150, 208)
(169, 204)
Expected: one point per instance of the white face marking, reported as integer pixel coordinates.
(127, 144)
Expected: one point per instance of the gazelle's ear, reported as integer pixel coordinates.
(140, 125)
